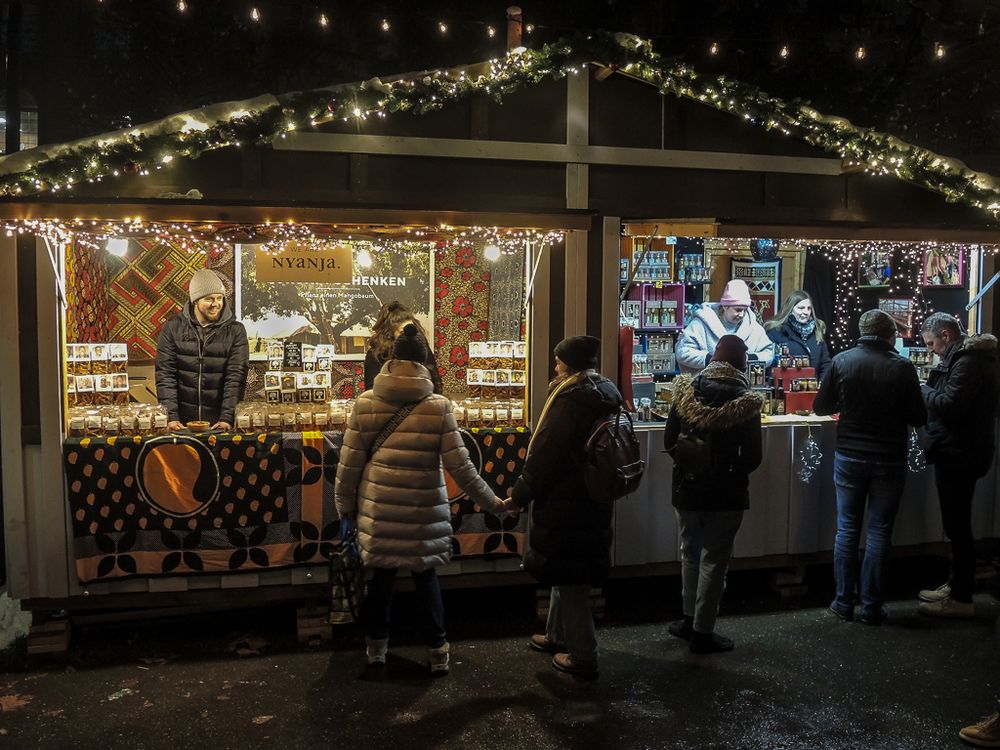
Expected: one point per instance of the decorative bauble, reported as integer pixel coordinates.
(130, 167)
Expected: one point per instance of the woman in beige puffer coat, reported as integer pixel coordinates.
(398, 495)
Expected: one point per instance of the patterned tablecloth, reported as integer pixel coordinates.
(186, 504)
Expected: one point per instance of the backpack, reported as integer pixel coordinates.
(612, 467)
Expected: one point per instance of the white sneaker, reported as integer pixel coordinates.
(438, 659)
(948, 607)
(376, 649)
(935, 595)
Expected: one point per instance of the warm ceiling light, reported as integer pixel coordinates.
(491, 252)
(117, 247)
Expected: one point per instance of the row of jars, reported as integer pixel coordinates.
(254, 417)
(481, 413)
(117, 420)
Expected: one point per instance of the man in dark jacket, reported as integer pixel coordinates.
(713, 433)
(961, 398)
(877, 394)
(569, 544)
(202, 358)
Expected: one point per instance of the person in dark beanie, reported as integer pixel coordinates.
(877, 394)
(961, 399)
(397, 493)
(569, 542)
(202, 357)
(713, 434)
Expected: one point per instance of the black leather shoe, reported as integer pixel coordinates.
(710, 643)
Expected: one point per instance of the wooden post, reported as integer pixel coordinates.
(514, 27)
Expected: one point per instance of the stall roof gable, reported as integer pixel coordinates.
(267, 118)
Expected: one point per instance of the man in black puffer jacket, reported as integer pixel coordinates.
(569, 546)
(878, 396)
(202, 358)
(713, 434)
(961, 397)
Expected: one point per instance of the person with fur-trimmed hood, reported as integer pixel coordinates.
(961, 398)
(713, 433)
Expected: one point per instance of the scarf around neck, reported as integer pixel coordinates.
(805, 330)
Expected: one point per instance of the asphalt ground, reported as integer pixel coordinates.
(798, 678)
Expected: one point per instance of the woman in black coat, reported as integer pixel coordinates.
(391, 319)
(569, 545)
(713, 434)
(797, 327)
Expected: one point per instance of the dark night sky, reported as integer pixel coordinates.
(96, 65)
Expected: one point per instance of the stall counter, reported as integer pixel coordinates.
(787, 516)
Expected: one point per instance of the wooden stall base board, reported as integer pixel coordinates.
(48, 635)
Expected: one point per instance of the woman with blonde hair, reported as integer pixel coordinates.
(797, 327)
(389, 323)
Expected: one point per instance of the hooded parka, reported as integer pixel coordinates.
(399, 496)
(570, 537)
(961, 397)
(201, 371)
(697, 343)
(716, 405)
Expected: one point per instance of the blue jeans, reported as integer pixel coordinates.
(571, 622)
(376, 608)
(879, 484)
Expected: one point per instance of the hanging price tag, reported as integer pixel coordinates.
(659, 285)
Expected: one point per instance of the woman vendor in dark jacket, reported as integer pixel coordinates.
(389, 323)
(797, 327)
(570, 539)
(713, 433)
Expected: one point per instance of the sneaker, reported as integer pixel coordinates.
(984, 734)
(948, 607)
(541, 642)
(682, 628)
(874, 618)
(845, 615)
(438, 659)
(710, 643)
(935, 595)
(376, 649)
(565, 663)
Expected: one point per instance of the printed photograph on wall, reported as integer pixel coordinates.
(943, 267)
(764, 280)
(900, 309)
(874, 270)
(339, 314)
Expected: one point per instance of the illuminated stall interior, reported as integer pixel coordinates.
(665, 279)
(469, 287)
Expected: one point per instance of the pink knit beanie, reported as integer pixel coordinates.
(736, 293)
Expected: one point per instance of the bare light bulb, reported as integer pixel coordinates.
(385, 24)
(364, 259)
(255, 14)
(491, 253)
(117, 247)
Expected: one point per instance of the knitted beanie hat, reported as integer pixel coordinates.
(731, 349)
(579, 353)
(736, 293)
(204, 282)
(411, 345)
(877, 323)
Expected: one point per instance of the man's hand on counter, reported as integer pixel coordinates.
(175, 425)
(222, 426)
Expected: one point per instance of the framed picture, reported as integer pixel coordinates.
(900, 309)
(874, 270)
(764, 281)
(943, 267)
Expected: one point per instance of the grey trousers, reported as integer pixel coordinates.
(706, 548)
(571, 622)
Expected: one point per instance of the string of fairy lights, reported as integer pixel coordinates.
(141, 150)
(323, 19)
(273, 237)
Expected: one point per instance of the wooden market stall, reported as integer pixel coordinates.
(585, 140)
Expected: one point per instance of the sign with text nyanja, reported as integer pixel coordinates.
(298, 263)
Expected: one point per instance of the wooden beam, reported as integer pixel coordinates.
(554, 152)
(244, 213)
